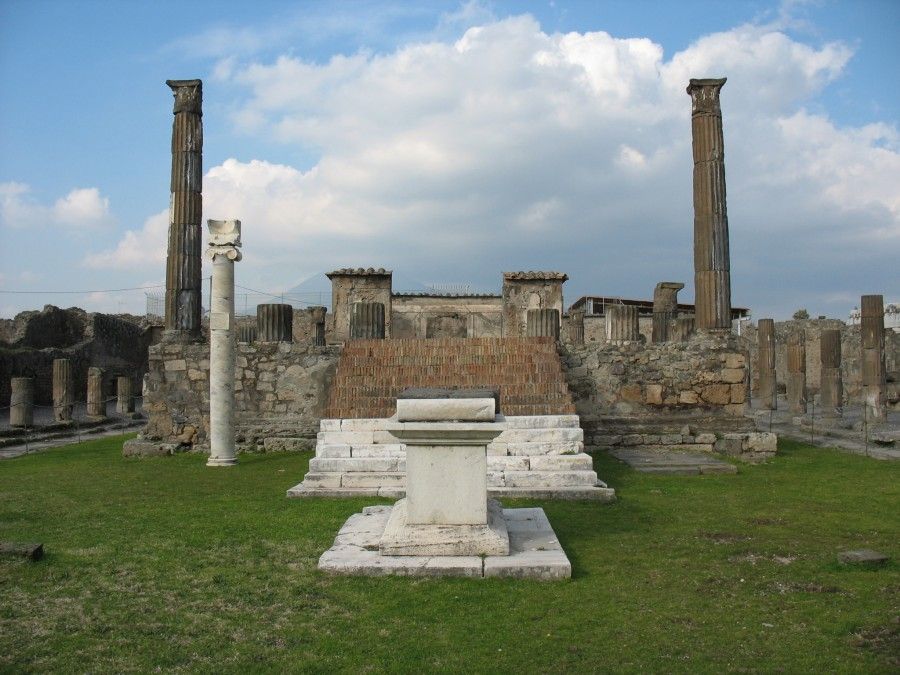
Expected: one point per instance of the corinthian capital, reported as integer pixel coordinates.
(705, 96)
(188, 95)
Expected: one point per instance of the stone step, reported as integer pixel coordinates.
(538, 448)
(540, 421)
(332, 450)
(356, 464)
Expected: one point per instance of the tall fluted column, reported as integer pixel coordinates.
(542, 323)
(224, 250)
(831, 386)
(622, 324)
(63, 399)
(712, 266)
(96, 405)
(796, 363)
(183, 262)
(873, 375)
(768, 391)
(665, 308)
(21, 402)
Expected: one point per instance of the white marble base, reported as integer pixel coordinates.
(221, 461)
(534, 551)
(404, 538)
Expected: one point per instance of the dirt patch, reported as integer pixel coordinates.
(724, 537)
(884, 641)
(784, 587)
(766, 520)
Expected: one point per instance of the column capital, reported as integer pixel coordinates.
(224, 239)
(188, 95)
(704, 95)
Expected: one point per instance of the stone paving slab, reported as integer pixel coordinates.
(535, 552)
(682, 463)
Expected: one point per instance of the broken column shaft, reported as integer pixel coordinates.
(274, 322)
(872, 341)
(367, 321)
(63, 400)
(183, 261)
(542, 323)
(124, 399)
(21, 402)
(766, 363)
(712, 275)
(225, 240)
(622, 324)
(796, 363)
(665, 308)
(96, 405)
(576, 326)
(831, 386)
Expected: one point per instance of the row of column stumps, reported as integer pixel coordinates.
(831, 388)
(22, 396)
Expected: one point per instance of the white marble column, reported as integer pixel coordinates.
(224, 251)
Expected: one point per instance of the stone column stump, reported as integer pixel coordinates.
(768, 388)
(63, 396)
(665, 309)
(96, 404)
(317, 315)
(796, 363)
(622, 324)
(576, 327)
(831, 387)
(21, 402)
(873, 372)
(683, 329)
(367, 321)
(124, 397)
(274, 323)
(542, 323)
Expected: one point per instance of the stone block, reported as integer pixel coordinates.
(321, 480)
(347, 437)
(496, 479)
(507, 463)
(531, 449)
(380, 450)
(735, 361)
(717, 394)
(497, 449)
(541, 421)
(353, 464)
(446, 410)
(175, 365)
(705, 438)
(631, 393)
(330, 425)
(550, 479)
(761, 441)
(140, 448)
(580, 462)
(738, 393)
(653, 394)
(367, 424)
(561, 435)
(373, 480)
(332, 451)
(688, 397)
(730, 446)
(863, 556)
(732, 375)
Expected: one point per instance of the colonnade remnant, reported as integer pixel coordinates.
(124, 399)
(768, 390)
(224, 250)
(796, 363)
(183, 261)
(367, 321)
(542, 323)
(831, 387)
(872, 345)
(274, 322)
(665, 308)
(712, 275)
(576, 326)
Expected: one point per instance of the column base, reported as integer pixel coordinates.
(222, 461)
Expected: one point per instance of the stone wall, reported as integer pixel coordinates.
(439, 316)
(595, 328)
(281, 389)
(704, 374)
(850, 353)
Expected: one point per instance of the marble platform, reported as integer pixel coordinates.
(534, 551)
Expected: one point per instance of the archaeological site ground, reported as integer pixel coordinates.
(449, 481)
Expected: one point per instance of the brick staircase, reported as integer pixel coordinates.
(371, 373)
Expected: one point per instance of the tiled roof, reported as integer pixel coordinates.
(556, 276)
(359, 272)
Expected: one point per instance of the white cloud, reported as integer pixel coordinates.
(513, 148)
(137, 248)
(79, 209)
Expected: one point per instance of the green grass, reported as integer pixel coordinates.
(166, 564)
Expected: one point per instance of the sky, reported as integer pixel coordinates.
(451, 142)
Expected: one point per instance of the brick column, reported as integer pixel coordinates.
(183, 261)
(712, 275)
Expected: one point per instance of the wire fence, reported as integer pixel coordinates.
(46, 426)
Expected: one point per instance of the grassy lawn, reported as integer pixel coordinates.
(166, 564)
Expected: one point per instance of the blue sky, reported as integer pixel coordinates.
(452, 142)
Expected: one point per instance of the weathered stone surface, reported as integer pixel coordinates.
(21, 402)
(367, 321)
(96, 403)
(864, 556)
(523, 291)
(137, 447)
(665, 308)
(274, 322)
(14, 549)
(767, 380)
(63, 395)
(712, 276)
(872, 356)
(831, 388)
(622, 325)
(542, 323)
(438, 410)
(183, 261)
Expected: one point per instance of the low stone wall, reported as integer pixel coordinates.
(706, 373)
(281, 390)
